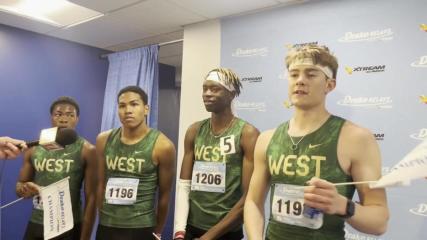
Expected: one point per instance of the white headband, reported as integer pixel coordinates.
(214, 76)
(309, 62)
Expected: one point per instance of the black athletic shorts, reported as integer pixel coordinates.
(34, 231)
(113, 233)
(193, 232)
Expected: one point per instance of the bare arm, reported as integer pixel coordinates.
(182, 196)
(89, 156)
(358, 147)
(235, 216)
(25, 187)
(165, 155)
(101, 140)
(258, 188)
(371, 215)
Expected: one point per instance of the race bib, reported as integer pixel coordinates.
(208, 177)
(37, 202)
(226, 145)
(121, 191)
(288, 207)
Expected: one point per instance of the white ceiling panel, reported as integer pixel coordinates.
(158, 14)
(25, 23)
(102, 32)
(105, 6)
(220, 8)
(134, 23)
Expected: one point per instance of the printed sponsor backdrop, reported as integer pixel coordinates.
(381, 83)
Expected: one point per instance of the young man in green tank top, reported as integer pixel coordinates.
(134, 163)
(302, 159)
(217, 166)
(42, 167)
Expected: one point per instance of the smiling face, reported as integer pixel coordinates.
(132, 110)
(308, 86)
(215, 97)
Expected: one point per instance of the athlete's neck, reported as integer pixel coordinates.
(134, 135)
(221, 120)
(304, 122)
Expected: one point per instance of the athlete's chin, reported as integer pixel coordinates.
(209, 108)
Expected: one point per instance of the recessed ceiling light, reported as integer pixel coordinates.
(59, 13)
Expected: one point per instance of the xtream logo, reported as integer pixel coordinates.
(250, 52)
(251, 106)
(367, 69)
(385, 34)
(422, 62)
(421, 210)
(421, 135)
(368, 102)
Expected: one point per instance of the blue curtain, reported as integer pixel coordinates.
(132, 67)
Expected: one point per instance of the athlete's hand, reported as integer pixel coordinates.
(28, 189)
(180, 235)
(323, 195)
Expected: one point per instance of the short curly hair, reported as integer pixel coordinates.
(65, 100)
(319, 54)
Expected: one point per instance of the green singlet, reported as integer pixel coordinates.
(208, 208)
(133, 163)
(52, 166)
(315, 155)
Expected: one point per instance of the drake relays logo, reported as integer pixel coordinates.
(299, 45)
(250, 106)
(422, 62)
(384, 35)
(250, 52)
(420, 210)
(252, 79)
(420, 135)
(366, 102)
(367, 69)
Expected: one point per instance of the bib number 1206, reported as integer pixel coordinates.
(208, 178)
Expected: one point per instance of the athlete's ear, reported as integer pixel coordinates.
(146, 110)
(330, 85)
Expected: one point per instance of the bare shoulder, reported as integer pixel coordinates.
(163, 143)
(356, 134)
(87, 146)
(193, 128)
(250, 130)
(264, 139)
(266, 135)
(103, 135)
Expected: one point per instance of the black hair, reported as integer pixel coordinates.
(65, 100)
(136, 90)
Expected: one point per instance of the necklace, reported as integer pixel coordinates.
(295, 145)
(223, 131)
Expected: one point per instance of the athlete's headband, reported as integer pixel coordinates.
(220, 78)
(309, 62)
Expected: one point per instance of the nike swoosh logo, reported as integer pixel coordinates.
(314, 146)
